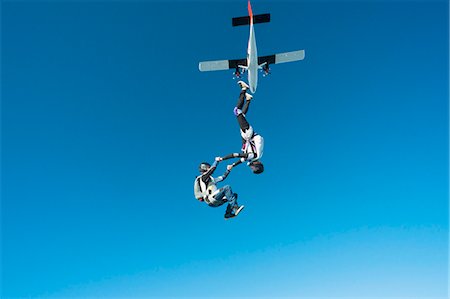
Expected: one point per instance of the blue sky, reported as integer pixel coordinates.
(105, 118)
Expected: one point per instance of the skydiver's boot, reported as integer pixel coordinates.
(229, 212)
(243, 85)
(248, 96)
(233, 209)
(237, 209)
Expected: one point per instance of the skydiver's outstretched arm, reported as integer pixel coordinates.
(206, 175)
(242, 157)
(237, 162)
(224, 176)
(234, 155)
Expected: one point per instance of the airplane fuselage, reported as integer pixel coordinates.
(252, 60)
(252, 57)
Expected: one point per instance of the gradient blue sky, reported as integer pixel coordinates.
(105, 118)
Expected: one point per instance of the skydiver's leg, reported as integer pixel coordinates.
(232, 201)
(243, 123)
(241, 109)
(246, 129)
(223, 195)
(246, 105)
(219, 197)
(243, 102)
(231, 197)
(233, 207)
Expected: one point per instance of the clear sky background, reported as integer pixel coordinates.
(105, 118)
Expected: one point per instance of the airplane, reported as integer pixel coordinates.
(252, 63)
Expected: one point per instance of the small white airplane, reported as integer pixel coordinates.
(252, 63)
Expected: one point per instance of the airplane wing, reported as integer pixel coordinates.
(236, 62)
(218, 65)
(282, 57)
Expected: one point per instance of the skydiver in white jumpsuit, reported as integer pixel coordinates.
(205, 189)
(252, 143)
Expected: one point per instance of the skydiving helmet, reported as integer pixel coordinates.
(256, 166)
(204, 167)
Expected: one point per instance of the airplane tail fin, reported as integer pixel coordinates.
(263, 18)
(250, 12)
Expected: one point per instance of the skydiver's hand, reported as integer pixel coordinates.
(229, 167)
(218, 159)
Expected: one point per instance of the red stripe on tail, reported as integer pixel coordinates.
(250, 13)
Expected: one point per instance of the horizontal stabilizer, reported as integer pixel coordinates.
(263, 18)
(290, 56)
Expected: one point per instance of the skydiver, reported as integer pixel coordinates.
(252, 143)
(205, 189)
